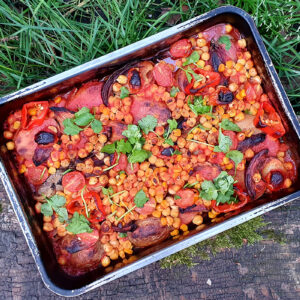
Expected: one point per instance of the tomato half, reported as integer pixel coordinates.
(233, 138)
(37, 175)
(186, 198)
(181, 48)
(253, 91)
(73, 181)
(163, 74)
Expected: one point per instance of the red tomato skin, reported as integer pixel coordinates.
(123, 162)
(73, 181)
(148, 208)
(88, 95)
(34, 174)
(186, 198)
(132, 168)
(89, 239)
(163, 74)
(181, 48)
(187, 218)
(233, 138)
(269, 143)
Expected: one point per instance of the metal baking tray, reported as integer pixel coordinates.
(31, 223)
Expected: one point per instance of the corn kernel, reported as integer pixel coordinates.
(22, 169)
(122, 79)
(10, 145)
(183, 227)
(16, 125)
(51, 170)
(228, 28)
(174, 232)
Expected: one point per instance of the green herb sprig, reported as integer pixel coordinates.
(55, 203)
(79, 224)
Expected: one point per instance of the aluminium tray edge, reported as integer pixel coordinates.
(181, 244)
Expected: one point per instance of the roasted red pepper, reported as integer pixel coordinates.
(225, 208)
(77, 205)
(37, 111)
(268, 120)
(212, 79)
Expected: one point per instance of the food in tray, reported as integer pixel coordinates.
(152, 151)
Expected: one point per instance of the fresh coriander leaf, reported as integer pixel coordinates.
(236, 156)
(67, 171)
(62, 214)
(96, 125)
(247, 112)
(172, 124)
(225, 39)
(70, 128)
(140, 199)
(224, 143)
(139, 156)
(133, 133)
(109, 148)
(174, 90)
(46, 209)
(169, 142)
(124, 92)
(209, 191)
(198, 126)
(228, 125)
(79, 224)
(107, 191)
(148, 123)
(198, 108)
(224, 182)
(189, 77)
(177, 197)
(225, 198)
(84, 110)
(176, 152)
(84, 119)
(124, 147)
(122, 234)
(57, 201)
(193, 58)
(197, 77)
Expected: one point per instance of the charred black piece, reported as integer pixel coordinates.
(260, 124)
(251, 141)
(41, 155)
(127, 227)
(276, 178)
(225, 98)
(180, 122)
(168, 151)
(44, 138)
(215, 51)
(59, 109)
(135, 79)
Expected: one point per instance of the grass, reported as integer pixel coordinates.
(40, 38)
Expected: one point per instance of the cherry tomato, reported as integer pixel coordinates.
(89, 239)
(186, 198)
(163, 74)
(253, 91)
(132, 168)
(181, 48)
(73, 181)
(233, 138)
(37, 175)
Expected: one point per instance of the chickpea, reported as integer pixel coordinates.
(197, 220)
(47, 227)
(105, 261)
(10, 145)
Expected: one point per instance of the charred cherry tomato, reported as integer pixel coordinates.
(268, 120)
(181, 48)
(134, 81)
(34, 114)
(73, 181)
(76, 205)
(212, 79)
(253, 91)
(224, 208)
(163, 74)
(37, 175)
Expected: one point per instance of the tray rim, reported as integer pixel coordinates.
(180, 245)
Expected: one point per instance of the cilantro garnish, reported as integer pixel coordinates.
(236, 156)
(122, 234)
(224, 143)
(55, 203)
(225, 39)
(220, 189)
(79, 224)
(139, 155)
(228, 125)
(124, 92)
(172, 125)
(133, 133)
(190, 74)
(81, 118)
(140, 199)
(148, 123)
(176, 197)
(193, 58)
(174, 90)
(198, 108)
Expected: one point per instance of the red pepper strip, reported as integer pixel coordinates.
(37, 120)
(224, 208)
(212, 79)
(267, 113)
(96, 216)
